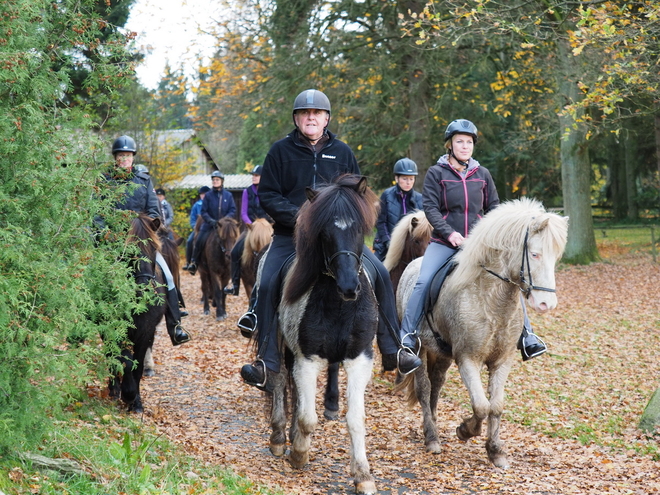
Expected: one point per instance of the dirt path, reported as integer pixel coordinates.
(198, 400)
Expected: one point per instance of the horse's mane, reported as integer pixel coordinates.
(227, 229)
(503, 230)
(144, 236)
(257, 237)
(347, 197)
(412, 226)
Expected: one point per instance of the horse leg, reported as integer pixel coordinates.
(277, 443)
(494, 446)
(470, 374)
(428, 383)
(149, 365)
(219, 298)
(206, 290)
(305, 374)
(358, 372)
(331, 397)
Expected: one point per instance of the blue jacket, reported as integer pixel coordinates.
(217, 203)
(394, 204)
(195, 212)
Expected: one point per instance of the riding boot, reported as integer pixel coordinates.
(182, 303)
(176, 332)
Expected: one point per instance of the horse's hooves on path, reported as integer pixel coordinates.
(434, 447)
(462, 434)
(366, 487)
(500, 461)
(331, 415)
(149, 372)
(221, 318)
(278, 450)
(207, 312)
(298, 460)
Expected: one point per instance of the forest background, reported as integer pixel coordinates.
(565, 95)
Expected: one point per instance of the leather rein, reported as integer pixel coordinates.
(525, 287)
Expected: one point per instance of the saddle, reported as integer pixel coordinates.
(432, 296)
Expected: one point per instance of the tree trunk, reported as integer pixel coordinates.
(632, 212)
(575, 165)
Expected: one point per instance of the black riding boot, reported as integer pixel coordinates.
(182, 303)
(173, 319)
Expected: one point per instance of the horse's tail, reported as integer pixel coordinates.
(407, 385)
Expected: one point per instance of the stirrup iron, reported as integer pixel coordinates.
(247, 324)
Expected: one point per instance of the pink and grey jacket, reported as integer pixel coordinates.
(454, 202)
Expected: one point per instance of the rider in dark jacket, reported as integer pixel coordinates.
(396, 202)
(142, 199)
(218, 203)
(308, 157)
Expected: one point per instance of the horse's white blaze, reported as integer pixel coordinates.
(343, 223)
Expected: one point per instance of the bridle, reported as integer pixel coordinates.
(525, 287)
(329, 259)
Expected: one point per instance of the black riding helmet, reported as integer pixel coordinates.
(311, 99)
(124, 143)
(405, 166)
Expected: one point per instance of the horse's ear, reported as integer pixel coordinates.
(310, 193)
(155, 223)
(361, 185)
(414, 222)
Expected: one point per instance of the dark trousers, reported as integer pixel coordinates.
(189, 247)
(199, 244)
(236, 254)
(268, 297)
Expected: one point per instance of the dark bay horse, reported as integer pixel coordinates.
(149, 278)
(328, 314)
(477, 319)
(409, 241)
(215, 265)
(257, 237)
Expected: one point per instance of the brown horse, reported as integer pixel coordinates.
(215, 265)
(477, 318)
(257, 237)
(410, 238)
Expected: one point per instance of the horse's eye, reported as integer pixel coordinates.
(535, 255)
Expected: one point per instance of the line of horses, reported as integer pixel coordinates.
(329, 314)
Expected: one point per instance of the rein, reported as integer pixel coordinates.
(524, 286)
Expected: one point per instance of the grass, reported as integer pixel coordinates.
(119, 455)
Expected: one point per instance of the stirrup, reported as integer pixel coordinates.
(418, 342)
(248, 324)
(259, 385)
(531, 347)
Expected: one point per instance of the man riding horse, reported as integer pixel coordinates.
(143, 199)
(218, 203)
(309, 156)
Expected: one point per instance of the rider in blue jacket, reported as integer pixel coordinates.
(396, 202)
(195, 211)
(218, 203)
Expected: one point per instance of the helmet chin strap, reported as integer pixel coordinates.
(451, 152)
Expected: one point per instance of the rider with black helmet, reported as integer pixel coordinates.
(143, 199)
(218, 203)
(458, 191)
(395, 202)
(250, 210)
(309, 156)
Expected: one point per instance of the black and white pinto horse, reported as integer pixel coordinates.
(328, 314)
(477, 318)
(149, 277)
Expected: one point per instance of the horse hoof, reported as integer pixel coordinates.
(220, 318)
(500, 461)
(365, 487)
(331, 415)
(433, 447)
(298, 459)
(462, 434)
(149, 372)
(207, 312)
(278, 450)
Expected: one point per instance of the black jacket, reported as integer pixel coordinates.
(291, 166)
(453, 202)
(394, 204)
(140, 198)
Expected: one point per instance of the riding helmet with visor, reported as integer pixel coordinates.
(311, 99)
(461, 126)
(124, 143)
(405, 166)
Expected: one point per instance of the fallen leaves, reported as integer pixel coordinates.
(593, 384)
